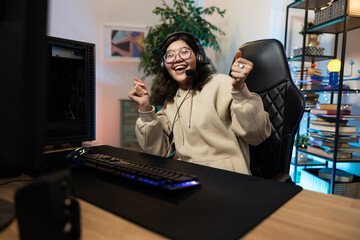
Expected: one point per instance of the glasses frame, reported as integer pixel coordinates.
(178, 53)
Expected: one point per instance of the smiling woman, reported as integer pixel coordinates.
(209, 118)
(182, 15)
(176, 66)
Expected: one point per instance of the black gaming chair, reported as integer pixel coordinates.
(284, 102)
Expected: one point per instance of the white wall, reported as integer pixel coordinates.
(244, 21)
(83, 20)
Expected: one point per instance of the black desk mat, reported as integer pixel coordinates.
(226, 206)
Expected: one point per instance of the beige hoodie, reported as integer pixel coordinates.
(214, 127)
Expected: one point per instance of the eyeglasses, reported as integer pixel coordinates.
(184, 53)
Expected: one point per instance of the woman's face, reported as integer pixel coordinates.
(177, 68)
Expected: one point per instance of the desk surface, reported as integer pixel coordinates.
(227, 205)
(308, 215)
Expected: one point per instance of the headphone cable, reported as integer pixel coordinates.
(171, 135)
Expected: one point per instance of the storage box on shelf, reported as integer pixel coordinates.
(316, 51)
(336, 9)
(323, 14)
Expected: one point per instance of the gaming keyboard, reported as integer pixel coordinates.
(141, 173)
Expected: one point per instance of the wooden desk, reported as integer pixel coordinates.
(308, 215)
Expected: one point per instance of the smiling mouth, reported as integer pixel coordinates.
(180, 68)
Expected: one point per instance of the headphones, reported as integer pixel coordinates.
(201, 59)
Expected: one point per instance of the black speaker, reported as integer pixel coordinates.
(47, 209)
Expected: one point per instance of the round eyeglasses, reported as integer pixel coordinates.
(184, 53)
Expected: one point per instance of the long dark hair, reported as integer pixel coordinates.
(166, 87)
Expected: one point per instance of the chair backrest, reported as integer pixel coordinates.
(271, 79)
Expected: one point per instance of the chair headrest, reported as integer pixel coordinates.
(270, 64)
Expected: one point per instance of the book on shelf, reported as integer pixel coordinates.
(323, 143)
(326, 106)
(309, 105)
(309, 86)
(329, 112)
(342, 117)
(330, 137)
(315, 77)
(328, 123)
(340, 176)
(319, 117)
(309, 71)
(314, 71)
(342, 149)
(311, 96)
(311, 81)
(309, 74)
(329, 154)
(342, 129)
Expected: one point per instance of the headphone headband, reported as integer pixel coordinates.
(196, 39)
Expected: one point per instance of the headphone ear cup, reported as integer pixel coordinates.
(200, 60)
(162, 66)
(164, 70)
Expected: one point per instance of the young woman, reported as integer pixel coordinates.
(206, 118)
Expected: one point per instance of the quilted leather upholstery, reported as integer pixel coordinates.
(274, 103)
(271, 79)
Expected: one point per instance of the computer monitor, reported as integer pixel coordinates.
(23, 73)
(70, 110)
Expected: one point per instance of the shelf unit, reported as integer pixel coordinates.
(129, 114)
(340, 25)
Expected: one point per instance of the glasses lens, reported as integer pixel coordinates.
(185, 53)
(169, 57)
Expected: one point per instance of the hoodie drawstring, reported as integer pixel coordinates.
(191, 105)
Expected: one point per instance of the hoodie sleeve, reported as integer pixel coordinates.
(249, 119)
(152, 131)
(242, 110)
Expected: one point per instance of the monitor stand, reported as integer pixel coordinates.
(7, 213)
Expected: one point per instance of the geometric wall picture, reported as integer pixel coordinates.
(123, 44)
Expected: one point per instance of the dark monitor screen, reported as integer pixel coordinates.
(23, 71)
(71, 92)
(65, 106)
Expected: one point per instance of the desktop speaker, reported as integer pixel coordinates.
(47, 209)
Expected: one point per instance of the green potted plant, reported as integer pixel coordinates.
(302, 143)
(303, 139)
(312, 39)
(184, 15)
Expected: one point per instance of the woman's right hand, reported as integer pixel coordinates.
(140, 95)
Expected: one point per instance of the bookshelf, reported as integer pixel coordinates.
(339, 26)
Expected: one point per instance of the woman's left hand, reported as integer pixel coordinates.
(239, 71)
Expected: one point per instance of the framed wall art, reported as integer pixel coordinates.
(123, 44)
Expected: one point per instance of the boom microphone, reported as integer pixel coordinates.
(190, 72)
